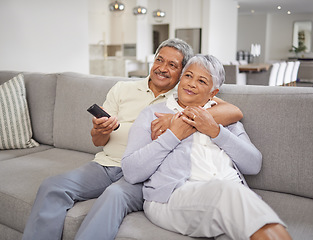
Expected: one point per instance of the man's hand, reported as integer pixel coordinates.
(180, 128)
(202, 120)
(159, 125)
(102, 127)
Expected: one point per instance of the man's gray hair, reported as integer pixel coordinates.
(212, 65)
(180, 45)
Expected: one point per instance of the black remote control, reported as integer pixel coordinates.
(98, 112)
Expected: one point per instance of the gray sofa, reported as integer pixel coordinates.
(277, 119)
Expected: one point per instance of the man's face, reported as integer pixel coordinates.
(166, 70)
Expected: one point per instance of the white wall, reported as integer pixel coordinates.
(219, 25)
(45, 36)
(252, 30)
(272, 31)
(98, 22)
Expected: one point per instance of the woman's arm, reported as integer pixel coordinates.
(143, 156)
(223, 113)
(237, 145)
(233, 139)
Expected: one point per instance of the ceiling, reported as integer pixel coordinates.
(270, 6)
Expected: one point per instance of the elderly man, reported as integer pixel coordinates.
(102, 178)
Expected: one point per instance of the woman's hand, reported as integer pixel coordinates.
(202, 120)
(159, 125)
(180, 128)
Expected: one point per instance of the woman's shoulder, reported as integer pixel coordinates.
(159, 107)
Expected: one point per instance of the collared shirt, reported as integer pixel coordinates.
(207, 159)
(125, 100)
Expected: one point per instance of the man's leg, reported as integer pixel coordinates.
(108, 212)
(59, 193)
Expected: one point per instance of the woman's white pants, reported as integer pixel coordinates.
(212, 209)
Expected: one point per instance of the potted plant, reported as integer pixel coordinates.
(301, 47)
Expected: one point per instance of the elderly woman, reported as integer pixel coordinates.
(192, 173)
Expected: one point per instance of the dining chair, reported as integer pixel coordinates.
(281, 74)
(294, 75)
(273, 74)
(288, 73)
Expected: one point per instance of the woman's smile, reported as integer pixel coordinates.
(189, 92)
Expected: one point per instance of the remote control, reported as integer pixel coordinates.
(98, 112)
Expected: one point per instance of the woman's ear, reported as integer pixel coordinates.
(214, 92)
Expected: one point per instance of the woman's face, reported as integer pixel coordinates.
(195, 86)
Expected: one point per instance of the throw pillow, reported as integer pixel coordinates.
(15, 126)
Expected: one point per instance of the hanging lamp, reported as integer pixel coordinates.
(159, 13)
(116, 6)
(139, 10)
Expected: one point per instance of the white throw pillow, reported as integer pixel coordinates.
(15, 126)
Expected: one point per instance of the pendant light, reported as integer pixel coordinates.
(116, 6)
(139, 10)
(159, 13)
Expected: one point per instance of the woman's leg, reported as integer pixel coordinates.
(209, 209)
(273, 231)
(57, 194)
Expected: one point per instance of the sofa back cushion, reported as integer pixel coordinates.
(278, 121)
(72, 123)
(40, 95)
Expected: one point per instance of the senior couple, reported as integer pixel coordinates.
(184, 159)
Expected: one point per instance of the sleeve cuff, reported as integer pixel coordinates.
(169, 139)
(222, 137)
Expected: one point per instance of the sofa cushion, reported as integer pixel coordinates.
(137, 226)
(40, 94)
(14, 153)
(21, 178)
(75, 94)
(15, 125)
(279, 122)
(41, 89)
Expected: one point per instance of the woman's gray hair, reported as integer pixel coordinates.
(180, 45)
(212, 65)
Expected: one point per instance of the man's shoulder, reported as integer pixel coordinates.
(132, 84)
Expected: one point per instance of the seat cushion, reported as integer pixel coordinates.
(295, 211)
(22, 176)
(13, 153)
(137, 226)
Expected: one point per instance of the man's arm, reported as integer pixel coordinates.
(225, 113)
(102, 127)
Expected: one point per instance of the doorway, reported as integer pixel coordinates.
(160, 34)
